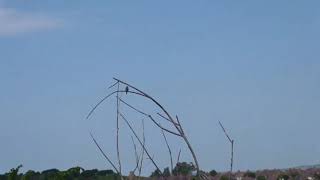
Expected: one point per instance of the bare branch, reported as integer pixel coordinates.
(167, 119)
(136, 155)
(135, 134)
(152, 119)
(231, 141)
(113, 85)
(169, 149)
(105, 156)
(117, 138)
(106, 97)
(139, 111)
(178, 159)
(225, 132)
(169, 131)
(142, 153)
(180, 126)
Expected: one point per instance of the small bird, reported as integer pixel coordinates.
(127, 90)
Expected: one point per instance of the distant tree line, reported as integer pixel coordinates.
(76, 173)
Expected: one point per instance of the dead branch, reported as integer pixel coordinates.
(141, 93)
(167, 116)
(142, 151)
(169, 149)
(104, 155)
(167, 119)
(231, 141)
(178, 159)
(135, 134)
(117, 137)
(150, 117)
(136, 155)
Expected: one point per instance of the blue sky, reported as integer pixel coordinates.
(252, 65)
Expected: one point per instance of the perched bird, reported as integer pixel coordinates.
(127, 90)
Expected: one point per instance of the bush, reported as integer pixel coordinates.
(224, 177)
(183, 169)
(155, 173)
(166, 172)
(283, 177)
(261, 177)
(213, 173)
(89, 173)
(105, 172)
(250, 174)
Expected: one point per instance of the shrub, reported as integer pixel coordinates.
(89, 173)
(260, 177)
(105, 172)
(250, 174)
(213, 173)
(155, 173)
(283, 177)
(183, 168)
(224, 177)
(166, 172)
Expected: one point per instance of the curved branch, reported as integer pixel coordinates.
(106, 97)
(170, 118)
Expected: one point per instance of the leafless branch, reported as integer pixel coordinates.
(136, 155)
(106, 97)
(117, 138)
(142, 151)
(141, 93)
(168, 119)
(169, 149)
(151, 118)
(113, 85)
(104, 154)
(225, 132)
(178, 159)
(135, 134)
(231, 141)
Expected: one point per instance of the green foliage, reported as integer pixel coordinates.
(224, 177)
(250, 174)
(183, 168)
(283, 177)
(260, 177)
(89, 173)
(105, 172)
(13, 174)
(155, 173)
(213, 173)
(166, 172)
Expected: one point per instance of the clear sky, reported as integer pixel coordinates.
(253, 65)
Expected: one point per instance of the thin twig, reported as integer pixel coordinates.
(178, 159)
(139, 111)
(135, 134)
(105, 156)
(113, 85)
(136, 155)
(169, 149)
(225, 132)
(167, 119)
(149, 116)
(142, 153)
(117, 138)
(106, 97)
(170, 118)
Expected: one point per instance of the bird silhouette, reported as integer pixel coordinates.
(127, 90)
